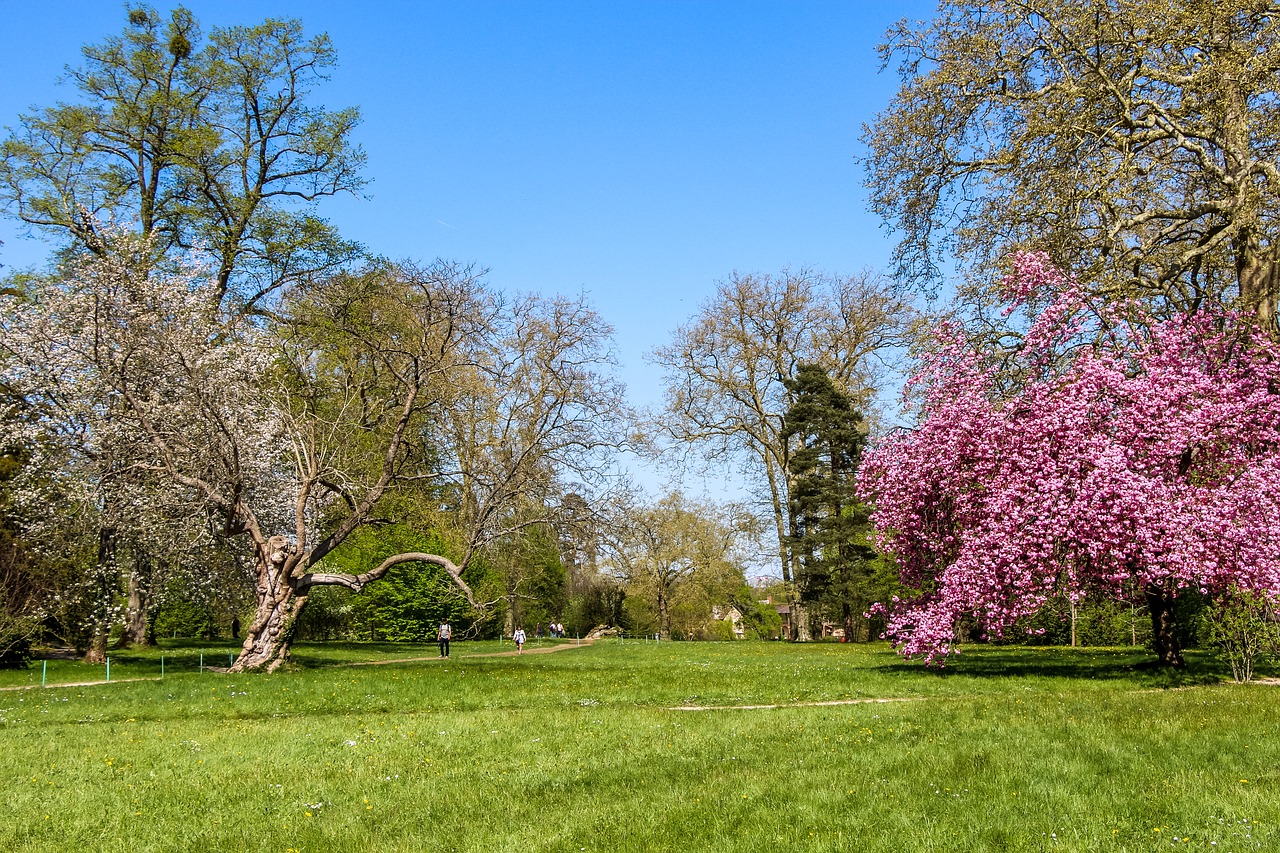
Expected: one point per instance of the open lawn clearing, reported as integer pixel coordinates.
(1017, 749)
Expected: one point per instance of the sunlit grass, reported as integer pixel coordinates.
(1017, 749)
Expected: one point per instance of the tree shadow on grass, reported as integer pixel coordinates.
(1134, 665)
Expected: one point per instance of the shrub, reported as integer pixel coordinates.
(15, 648)
(1242, 624)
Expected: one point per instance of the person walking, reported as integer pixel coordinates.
(444, 634)
(519, 637)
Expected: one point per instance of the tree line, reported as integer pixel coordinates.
(215, 406)
(209, 389)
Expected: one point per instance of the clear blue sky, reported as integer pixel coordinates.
(639, 152)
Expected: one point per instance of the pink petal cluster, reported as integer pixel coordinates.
(1133, 451)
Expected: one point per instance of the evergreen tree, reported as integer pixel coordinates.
(830, 525)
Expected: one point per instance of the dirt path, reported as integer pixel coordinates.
(81, 683)
(794, 704)
(540, 650)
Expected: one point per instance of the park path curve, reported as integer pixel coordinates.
(541, 650)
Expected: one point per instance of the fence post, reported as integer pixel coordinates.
(202, 661)
(108, 669)
(44, 671)
(162, 666)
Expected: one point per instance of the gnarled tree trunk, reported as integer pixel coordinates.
(1258, 274)
(284, 583)
(267, 639)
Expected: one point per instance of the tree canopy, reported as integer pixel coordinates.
(1134, 140)
(211, 144)
(1139, 457)
(292, 435)
(830, 525)
(727, 370)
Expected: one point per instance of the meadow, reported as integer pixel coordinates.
(591, 749)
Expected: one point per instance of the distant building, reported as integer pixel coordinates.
(731, 614)
(784, 610)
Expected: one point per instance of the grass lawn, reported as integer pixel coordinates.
(1007, 749)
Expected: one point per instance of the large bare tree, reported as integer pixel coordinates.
(208, 144)
(1135, 140)
(727, 369)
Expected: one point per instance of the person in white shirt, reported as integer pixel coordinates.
(444, 634)
(519, 638)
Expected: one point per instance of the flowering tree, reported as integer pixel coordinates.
(1133, 454)
(292, 434)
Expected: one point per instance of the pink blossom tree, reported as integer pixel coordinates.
(1131, 455)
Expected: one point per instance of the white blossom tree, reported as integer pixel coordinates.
(292, 434)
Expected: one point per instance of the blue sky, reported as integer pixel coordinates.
(639, 152)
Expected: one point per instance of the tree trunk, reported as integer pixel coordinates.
(664, 616)
(105, 568)
(1163, 635)
(1258, 275)
(267, 639)
(509, 623)
(847, 612)
(780, 523)
(800, 621)
(135, 617)
(97, 651)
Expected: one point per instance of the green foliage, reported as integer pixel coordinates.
(639, 616)
(532, 578)
(759, 621)
(720, 630)
(180, 616)
(682, 557)
(601, 602)
(1099, 622)
(839, 570)
(405, 605)
(1244, 627)
(15, 647)
(327, 615)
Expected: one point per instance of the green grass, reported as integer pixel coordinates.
(1007, 749)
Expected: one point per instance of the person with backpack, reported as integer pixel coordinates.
(444, 634)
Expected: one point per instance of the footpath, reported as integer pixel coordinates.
(540, 650)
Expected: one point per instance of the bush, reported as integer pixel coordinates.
(179, 616)
(15, 649)
(327, 615)
(720, 630)
(1243, 626)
